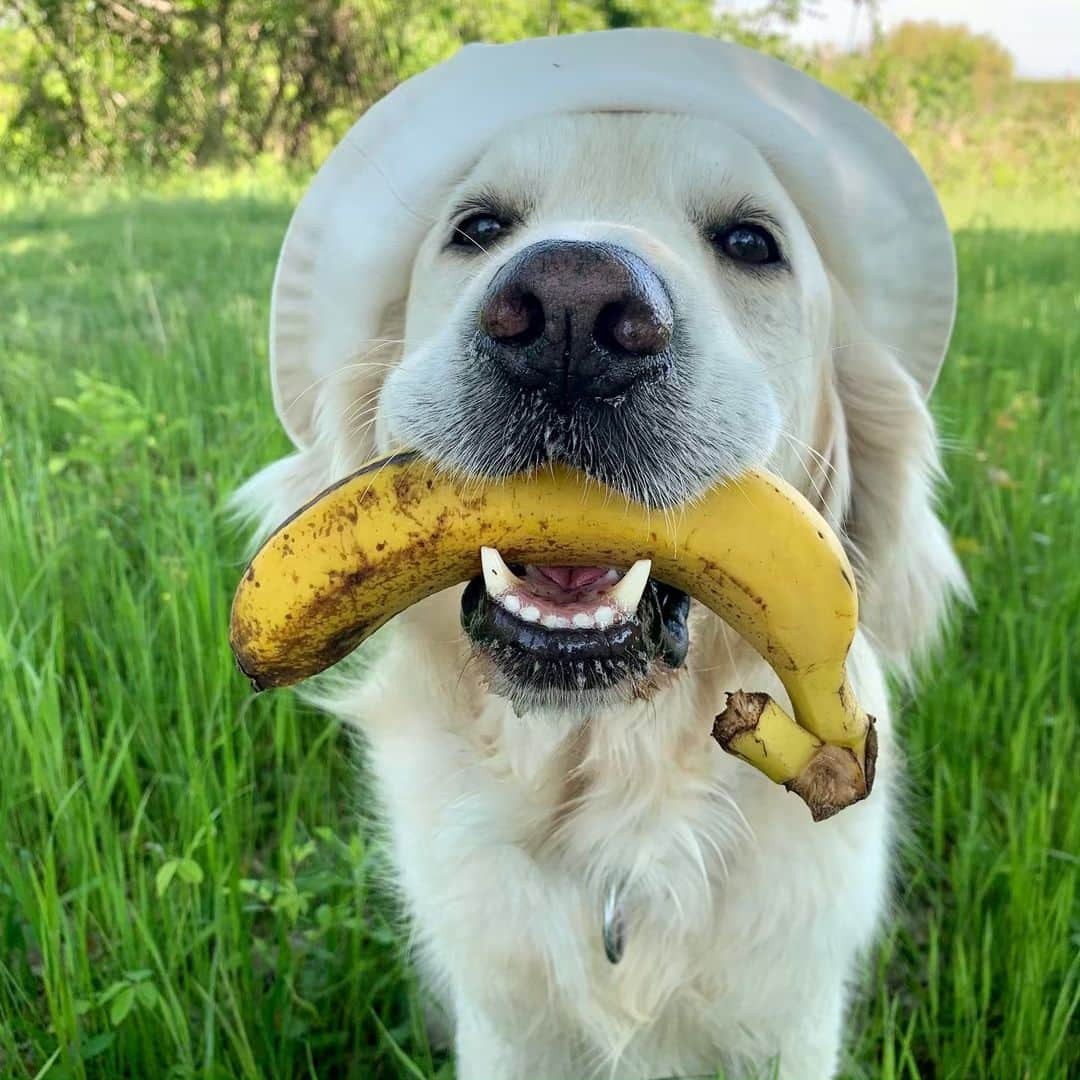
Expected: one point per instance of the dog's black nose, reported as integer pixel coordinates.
(577, 319)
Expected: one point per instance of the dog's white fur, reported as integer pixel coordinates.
(744, 918)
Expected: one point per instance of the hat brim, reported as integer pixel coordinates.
(350, 245)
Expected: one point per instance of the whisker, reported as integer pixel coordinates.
(425, 219)
(809, 475)
(351, 365)
(360, 413)
(838, 348)
(731, 657)
(471, 239)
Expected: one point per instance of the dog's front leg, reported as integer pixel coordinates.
(810, 1043)
(486, 1050)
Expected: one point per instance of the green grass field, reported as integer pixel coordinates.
(188, 887)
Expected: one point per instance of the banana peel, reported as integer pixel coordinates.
(753, 550)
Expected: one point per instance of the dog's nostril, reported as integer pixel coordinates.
(576, 320)
(512, 317)
(633, 327)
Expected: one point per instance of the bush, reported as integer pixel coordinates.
(922, 72)
(152, 83)
(950, 94)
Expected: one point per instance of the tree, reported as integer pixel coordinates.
(111, 83)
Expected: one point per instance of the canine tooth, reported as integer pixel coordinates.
(627, 593)
(530, 614)
(583, 620)
(497, 576)
(604, 616)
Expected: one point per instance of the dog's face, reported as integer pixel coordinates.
(635, 295)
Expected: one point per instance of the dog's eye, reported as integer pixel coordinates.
(747, 243)
(477, 230)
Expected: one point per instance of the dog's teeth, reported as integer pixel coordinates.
(557, 622)
(498, 579)
(512, 593)
(627, 593)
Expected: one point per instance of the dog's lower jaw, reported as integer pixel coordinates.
(533, 701)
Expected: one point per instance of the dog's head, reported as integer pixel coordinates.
(639, 295)
(623, 292)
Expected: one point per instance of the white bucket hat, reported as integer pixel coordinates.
(350, 245)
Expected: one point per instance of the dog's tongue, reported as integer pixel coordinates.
(568, 584)
(572, 577)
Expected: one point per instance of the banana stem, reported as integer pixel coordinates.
(756, 729)
(827, 777)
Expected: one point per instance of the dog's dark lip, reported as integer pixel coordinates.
(539, 662)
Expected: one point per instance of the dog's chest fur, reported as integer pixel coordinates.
(510, 833)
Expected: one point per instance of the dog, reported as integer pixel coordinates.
(595, 888)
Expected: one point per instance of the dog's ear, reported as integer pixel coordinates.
(266, 499)
(345, 407)
(904, 561)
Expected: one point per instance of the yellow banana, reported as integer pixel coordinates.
(752, 550)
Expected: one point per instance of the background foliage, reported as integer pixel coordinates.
(190, 885)
(117, 86)
(108, 83)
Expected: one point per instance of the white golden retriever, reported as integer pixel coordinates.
(597, 890)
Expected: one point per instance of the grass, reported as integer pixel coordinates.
(188, 881)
